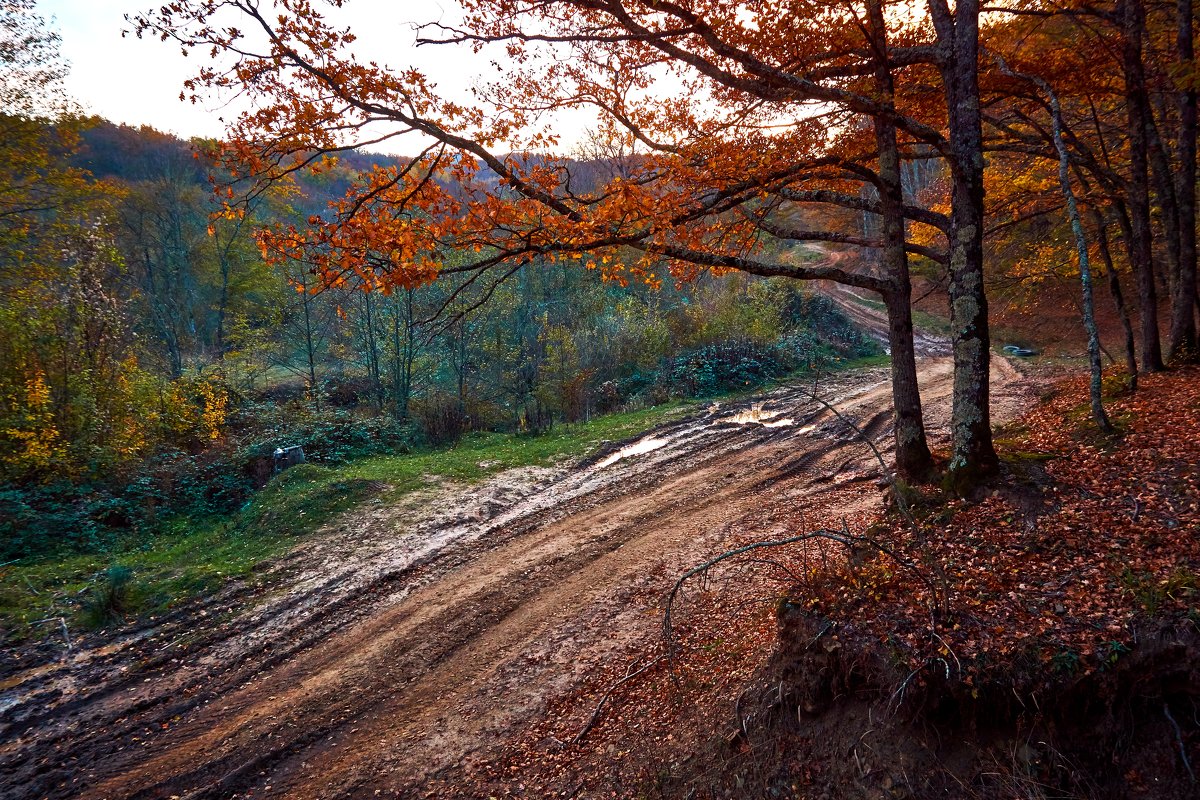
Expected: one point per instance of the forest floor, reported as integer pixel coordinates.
(457, 643)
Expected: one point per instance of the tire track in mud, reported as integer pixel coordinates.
(403, 658)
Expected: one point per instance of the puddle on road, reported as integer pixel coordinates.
(755, 415)
(635, 449)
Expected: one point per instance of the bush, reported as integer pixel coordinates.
(111, 600)
(721, 368)
(442, 418)
(96, 516)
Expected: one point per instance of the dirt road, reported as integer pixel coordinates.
(404, 642)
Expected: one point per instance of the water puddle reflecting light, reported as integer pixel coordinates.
(636, 449)
(755, 415)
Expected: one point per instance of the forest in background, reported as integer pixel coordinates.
(163, 295)
(1048, 134)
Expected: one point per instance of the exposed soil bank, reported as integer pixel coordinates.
(1041, 641)
(835, 709)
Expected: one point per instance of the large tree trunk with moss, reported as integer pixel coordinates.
(958, 39)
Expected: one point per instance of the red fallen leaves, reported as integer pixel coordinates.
(1058, 565)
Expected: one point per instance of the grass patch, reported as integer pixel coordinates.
(878, 305)
(880, 359)
(922, 320)
(931, 323)
(187, 557)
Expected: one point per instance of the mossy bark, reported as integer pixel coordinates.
(974, 455)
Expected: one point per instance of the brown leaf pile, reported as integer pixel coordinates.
(1084, 538)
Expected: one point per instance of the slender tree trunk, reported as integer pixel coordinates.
(1081, 248)
(222, 309)
(461, 359)
(1181, 344)
(404, 351)
(1114, 288)
(1138, 200)
(913, 459)
(410, 350)
(398, 351)
(973, 455)
(310, 349)
(373, 354)
(1058, 135)
(1164, 190)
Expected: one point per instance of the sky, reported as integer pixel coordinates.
(138, 81)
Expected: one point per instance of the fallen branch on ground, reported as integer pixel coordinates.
(843, 537)
(604, 698)
(1179, 741)
(61, 622)
(889, 476)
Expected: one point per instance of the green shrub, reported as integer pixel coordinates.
(98, 516)
(111, 600)
(442, 418)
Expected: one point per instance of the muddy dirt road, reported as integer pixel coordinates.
(405, 642)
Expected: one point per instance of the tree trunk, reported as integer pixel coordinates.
(1181, 343)
(1164, 192)
(373, 355)
(958, 37)
(310, 348)
(397, 360)
(1114, 288)
(1058, 135)
(1138, 200)
(1085, 272)
(404, 351)
(222, 307)
(913, 459)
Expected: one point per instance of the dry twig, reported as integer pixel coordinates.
(1179, 741)
(600, 706)
(61, 622)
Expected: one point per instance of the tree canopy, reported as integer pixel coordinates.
(771, 108)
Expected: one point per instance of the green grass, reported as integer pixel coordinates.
(188, 557)
(878, 305)
(880, 359)
(932, 323)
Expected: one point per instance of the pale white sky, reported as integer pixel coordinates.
(137, 81)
